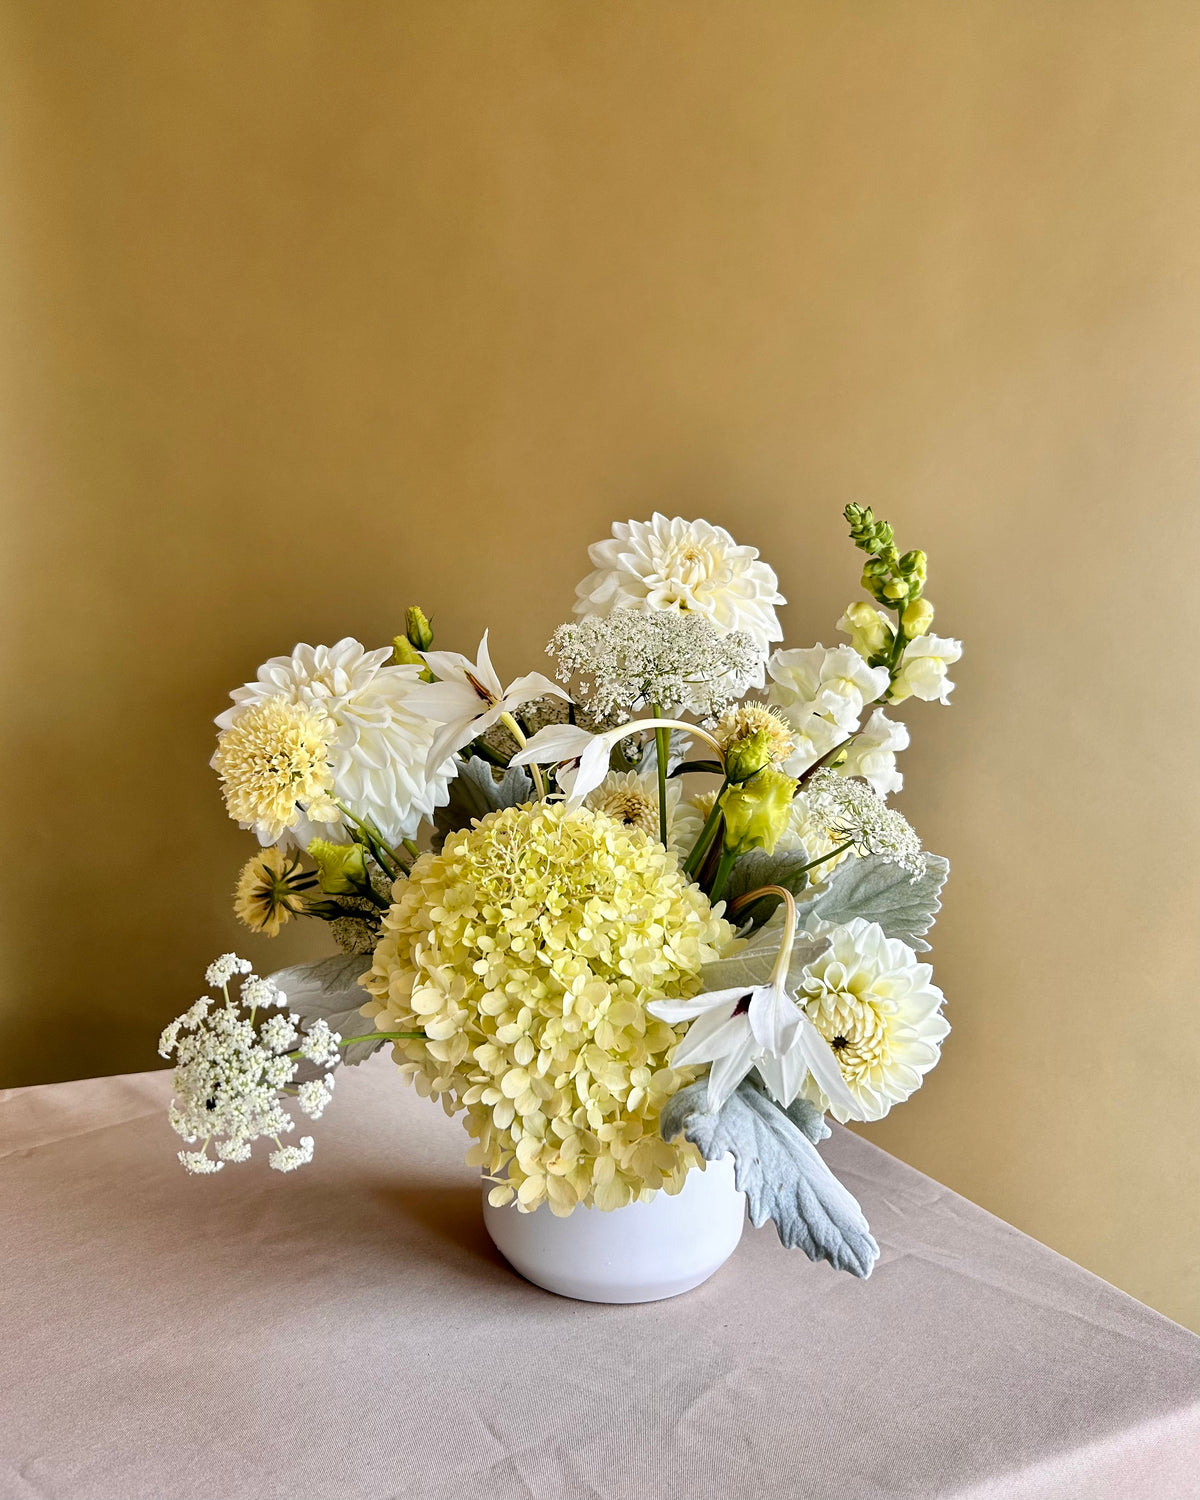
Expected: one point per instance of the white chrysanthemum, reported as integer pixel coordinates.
(379, 743)
(631, 798)
(686, 565)
(873, 1002)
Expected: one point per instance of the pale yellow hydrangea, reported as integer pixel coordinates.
(527, 951)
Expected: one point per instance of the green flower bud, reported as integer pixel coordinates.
(913, 564)
(895, 591)
(405, 654)
(917, 618)
(417, 628)
(747, 756)
(341, 868)
(757, 812)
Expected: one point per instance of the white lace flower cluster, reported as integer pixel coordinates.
(630, 658)
(853, 812)
(234, 1073)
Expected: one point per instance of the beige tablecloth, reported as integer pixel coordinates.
(349, 1332)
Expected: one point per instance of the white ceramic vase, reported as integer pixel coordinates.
(642, 1253)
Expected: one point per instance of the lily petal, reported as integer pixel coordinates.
(822, 1063)
(532, 685)
(484, 670)
(557, 742)
(774, 1017)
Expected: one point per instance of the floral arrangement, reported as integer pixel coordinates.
(625, 920)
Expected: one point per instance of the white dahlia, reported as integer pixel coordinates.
(378, 742)
(684, 565)
(631, 798)
(872, 1001)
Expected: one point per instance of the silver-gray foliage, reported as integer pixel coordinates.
(329, 990)
(758, 868)
(879, 891)
(777, 1166)
(475, 792)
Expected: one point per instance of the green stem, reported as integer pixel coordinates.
(518, 734)
(385, 1036)
(662, 751)
(724, 866)
(411, 846)
(825, 858)
(700, 847)
(380, 853)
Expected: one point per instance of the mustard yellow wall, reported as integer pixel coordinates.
(313, 309)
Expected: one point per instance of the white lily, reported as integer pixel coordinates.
(558, 744)
(761, 1027)
(468, 699)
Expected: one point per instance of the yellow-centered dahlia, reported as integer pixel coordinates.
(527, 951)
(273, 761)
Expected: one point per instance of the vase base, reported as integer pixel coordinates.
(646, 1252)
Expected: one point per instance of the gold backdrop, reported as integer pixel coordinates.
(315, 309)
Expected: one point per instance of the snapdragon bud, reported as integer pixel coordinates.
(757, 811)
(417, 628)
(917, 618)
(869, 631)
(341, 868)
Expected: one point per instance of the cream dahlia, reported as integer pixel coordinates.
(874, 1004)
(378, 743)
(684, 565)
(273, 761)
(631, 798)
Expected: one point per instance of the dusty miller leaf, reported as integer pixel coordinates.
(752, 963)
(757, 868)
(778, 1168)
(475, 792)
(878, 891)
(328, 990)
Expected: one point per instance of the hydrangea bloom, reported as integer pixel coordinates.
(527, 951)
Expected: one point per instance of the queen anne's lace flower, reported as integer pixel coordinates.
(631, 797)
(630, 659)
(231, 1072)
(875, 1005)
(850, 810)
(527, 951)
(683, 565)
(273, 761)
(378, 742)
